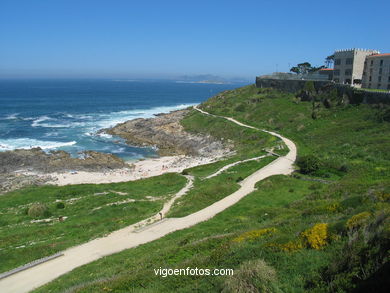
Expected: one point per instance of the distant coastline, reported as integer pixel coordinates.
(204, 81)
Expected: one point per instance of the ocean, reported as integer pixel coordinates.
(67, 114)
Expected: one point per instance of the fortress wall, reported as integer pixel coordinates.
(294, 86)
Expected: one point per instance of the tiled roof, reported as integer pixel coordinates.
(326, 69)
(379, 55)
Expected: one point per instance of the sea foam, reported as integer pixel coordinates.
(29, 143)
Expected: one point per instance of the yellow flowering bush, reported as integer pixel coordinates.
(252, 235)
(383, 196)
(333, 207)
(358, 220)
(316, 237)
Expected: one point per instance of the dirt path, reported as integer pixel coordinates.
(130, 237)
(224, 168)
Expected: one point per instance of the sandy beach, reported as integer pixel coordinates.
(136, 170)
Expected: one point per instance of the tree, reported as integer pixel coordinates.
(314, 69)
(302, 68)
(295, 69)
(329, 61)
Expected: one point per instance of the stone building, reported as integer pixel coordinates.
(376, 73)
(349, 65)
(327, 72)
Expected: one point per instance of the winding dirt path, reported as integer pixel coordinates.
(224, 168)
(129, 237)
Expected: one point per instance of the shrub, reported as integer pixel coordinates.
(251, 277)
(240, 108)
(316, 237)
(239, 179)
(60, 205)
(309, 87)
(290, 246)
(338, 228)
(358, 220)
(38, 210)
(361, 264)
(308, 164)
(252, 235)
(184, 172)
(344, 168)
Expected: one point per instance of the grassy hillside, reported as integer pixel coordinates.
(323, 229)
(89, 211)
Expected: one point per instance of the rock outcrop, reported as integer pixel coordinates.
(10, 182)
(166, 133)
(37, 160)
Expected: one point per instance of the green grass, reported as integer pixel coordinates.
(341, 135)
(211, 245)
(90, 212)
(247, 142)
(208, 191)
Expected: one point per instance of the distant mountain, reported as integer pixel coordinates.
(209, 78)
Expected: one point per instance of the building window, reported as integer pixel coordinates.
(348, 72)
(389, 79)
(349, 61)
(369, 85)
(381, 63)
(388, 87)
(370, 70)
(370, 79)
(380, 70)
(379, 86)
(336, 72)
(372, 62)
(379, 78)
(337, 61)
(364, 73)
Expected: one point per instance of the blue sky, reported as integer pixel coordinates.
(242, 38)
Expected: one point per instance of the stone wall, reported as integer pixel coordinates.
(354, 95)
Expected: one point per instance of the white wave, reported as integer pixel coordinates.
(104, 135)
(120, 150)
(29, 143)
(11, 116)
(114, 118)
(99, 120)
(36, 122)
(83, 116)
(50, 134)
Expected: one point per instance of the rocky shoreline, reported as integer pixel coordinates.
(166, 133)
(20, 168)
(38, 160)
